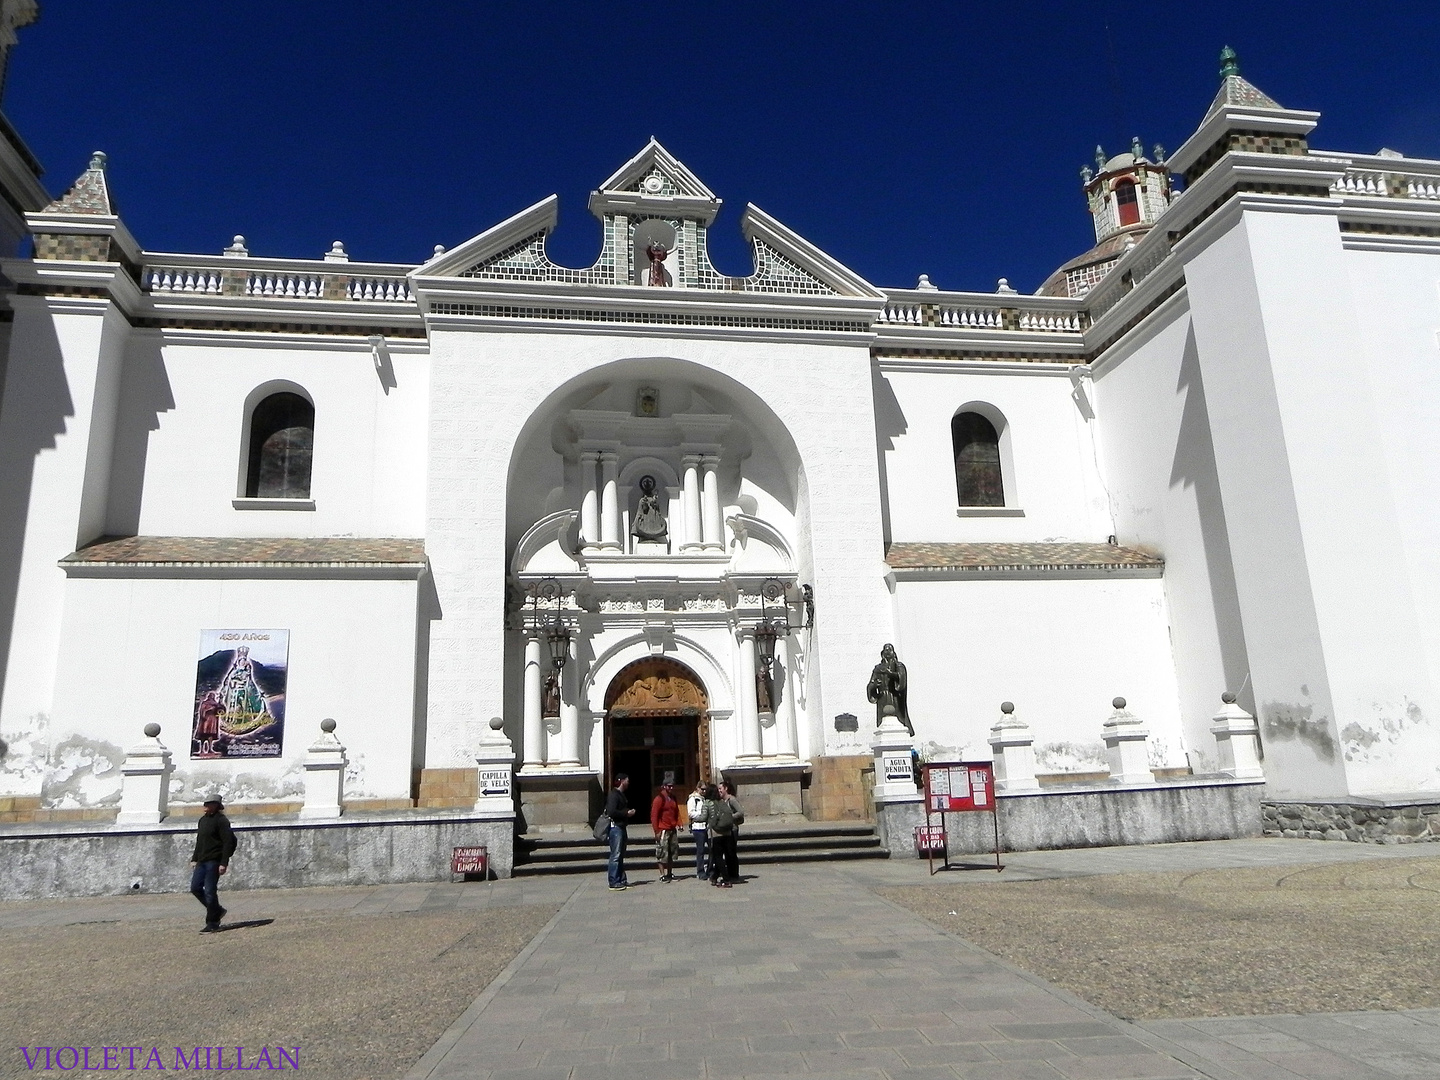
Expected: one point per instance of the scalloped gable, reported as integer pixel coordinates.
(655, 160)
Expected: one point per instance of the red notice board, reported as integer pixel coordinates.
(956, 786)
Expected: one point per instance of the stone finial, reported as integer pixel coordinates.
(337, 253)
(1158, 153)
(145, 781)
(1237, 741)
(1012, 749)
(324, 776)
(237, 248)
(1002, 288)
(97, 161)
(1229, 63)
(925, 285)
(1127, 746)
(439, 250)
(1100, 158)
(327, 725)
(496, 723)
(152, 730)
(1086, 174)
(1136, 150)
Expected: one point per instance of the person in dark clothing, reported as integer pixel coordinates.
(617, 809)
(720, 821)
(214, 844)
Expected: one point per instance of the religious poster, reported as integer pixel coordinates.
(240, 694)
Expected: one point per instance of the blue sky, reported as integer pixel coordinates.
(942, 138)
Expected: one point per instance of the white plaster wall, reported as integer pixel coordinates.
(1332, 630)
(1050, 468)
(180, 457)
(1153, 433)
(1060, 649)
(483, 388)
(1397, 305)
(58, 404)
(127, 657)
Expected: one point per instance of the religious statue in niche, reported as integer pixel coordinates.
(764, 693)
(649, 521)
(887, 688)
(657, 254)
(550, 697)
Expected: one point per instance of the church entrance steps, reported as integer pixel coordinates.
(761, 843)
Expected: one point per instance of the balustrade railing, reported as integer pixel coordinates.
(300, 285)
(1388, 185)
(968, 315)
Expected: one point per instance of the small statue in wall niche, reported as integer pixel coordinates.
(657, 254)
(887, 687)
(649, 521)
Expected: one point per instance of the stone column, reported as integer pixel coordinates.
(1127, 745)
(609, 501)
(745, 707)
(569, 716)
(590, 500)
(495, 760)
(1237, 740)
(532, 728)
(324, 776)
(145, 781)
(694, 538)
(710, 504)
(1012, 748)
(786, 745)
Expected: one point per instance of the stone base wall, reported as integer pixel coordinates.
(768, 792)
(560, 800)
(1090, 817)
(44, 862)
(1361, 823)
(841, 789)
(28, 810)
(448, 789)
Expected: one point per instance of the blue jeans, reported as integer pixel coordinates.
(615, 869)
(203, 885)
(698, 835)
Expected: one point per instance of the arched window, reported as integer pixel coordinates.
(1126, 202)
(977, 460)
(282, 434)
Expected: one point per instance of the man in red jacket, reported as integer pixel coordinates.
(665, 820)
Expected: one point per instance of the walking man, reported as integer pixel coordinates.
(214, 844)
(665, 820)
(617, 809)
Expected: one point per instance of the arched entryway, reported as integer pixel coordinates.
(657, 721)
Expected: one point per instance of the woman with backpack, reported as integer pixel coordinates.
(720, 820)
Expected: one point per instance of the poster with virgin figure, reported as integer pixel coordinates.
(240, 694)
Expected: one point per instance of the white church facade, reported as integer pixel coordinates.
(662, 520)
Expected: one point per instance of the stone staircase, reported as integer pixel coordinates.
(761, 842)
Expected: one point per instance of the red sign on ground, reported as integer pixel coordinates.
(929, 838)
(469, 860)
(953, 787)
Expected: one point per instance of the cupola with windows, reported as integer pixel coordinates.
(1126, 193)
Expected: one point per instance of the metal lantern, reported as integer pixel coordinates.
(766, 633)
(557, 638)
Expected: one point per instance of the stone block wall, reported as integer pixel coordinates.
(841, 789)
(1358, 823)
(448, 789)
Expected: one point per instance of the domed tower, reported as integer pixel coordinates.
(1126, 193)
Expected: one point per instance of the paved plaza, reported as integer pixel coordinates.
(809, 970)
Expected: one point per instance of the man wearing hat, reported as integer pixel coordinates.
(665, 820)
(214, 844)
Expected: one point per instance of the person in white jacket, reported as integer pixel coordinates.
(695, 808)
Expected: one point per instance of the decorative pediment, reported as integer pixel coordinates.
(656, 171)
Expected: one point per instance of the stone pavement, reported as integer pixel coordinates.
(803, 970)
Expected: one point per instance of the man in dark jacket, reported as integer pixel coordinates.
(214, 844)
(617, 808)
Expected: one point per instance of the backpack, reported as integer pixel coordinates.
(721, 817)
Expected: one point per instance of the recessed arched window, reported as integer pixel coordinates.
(978, 480)
(1126, 202)
(282, 436)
